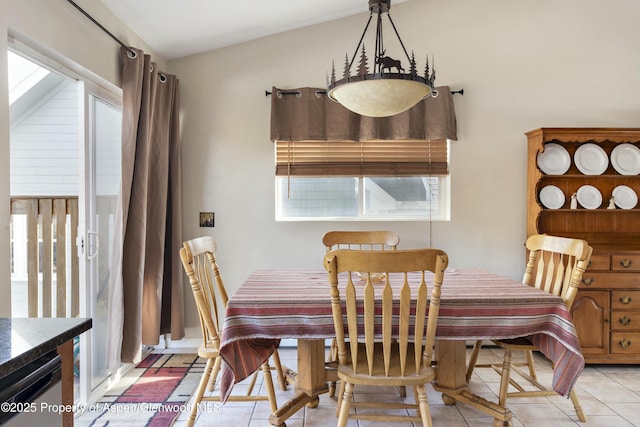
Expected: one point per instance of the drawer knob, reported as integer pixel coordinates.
(626, 263)
(625, 299)
(625, 343)
(624, 320)
(588, 280)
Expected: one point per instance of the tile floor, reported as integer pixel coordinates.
(610, 397)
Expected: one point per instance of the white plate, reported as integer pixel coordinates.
(591, 159)
(625, 197)
(554, 160)
(625, 159)
(551, 197)
(589, 197)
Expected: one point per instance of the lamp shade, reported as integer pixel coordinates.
(381, 97)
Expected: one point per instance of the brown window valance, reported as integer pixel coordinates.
(312, 116)
(315, 136)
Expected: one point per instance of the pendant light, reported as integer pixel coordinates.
(391, 88)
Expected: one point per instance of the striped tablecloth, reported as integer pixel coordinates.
(475, 304)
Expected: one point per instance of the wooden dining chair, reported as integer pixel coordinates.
(199, 261)
(361, 240)
(555, 265)
(357, 240)
(397, 349)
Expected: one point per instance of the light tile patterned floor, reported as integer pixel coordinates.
(610, 396)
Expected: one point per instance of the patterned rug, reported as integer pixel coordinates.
(152, 394)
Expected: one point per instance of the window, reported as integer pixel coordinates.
(372, 180)
(333, 164)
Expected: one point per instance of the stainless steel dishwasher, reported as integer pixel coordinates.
(20, 388)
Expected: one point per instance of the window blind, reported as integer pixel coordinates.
(362, 158)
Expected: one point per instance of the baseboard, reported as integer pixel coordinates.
(191, 340)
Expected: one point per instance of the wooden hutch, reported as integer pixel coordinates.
(606, 311)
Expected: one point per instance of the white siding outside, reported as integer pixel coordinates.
(44, 146)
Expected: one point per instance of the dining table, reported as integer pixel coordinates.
(475, 304)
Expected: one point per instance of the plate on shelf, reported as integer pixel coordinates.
(625, 197)
(625, 159)
(554, 160)
(551, 197)
(591, 159)
(589, 197)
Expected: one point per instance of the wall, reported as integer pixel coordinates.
(523, 64)
(62, 32)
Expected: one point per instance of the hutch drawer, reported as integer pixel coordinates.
(624, 320)
(625, 342)
(625, 262)
(591, 280)
(600, 262)
(625, 300)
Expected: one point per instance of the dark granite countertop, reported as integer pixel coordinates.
(23, 340)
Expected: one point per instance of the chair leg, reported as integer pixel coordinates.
(252, 384)
(201, 387)
(333, 355)
(345, 406)
(473, 359)
(403, 391)
(214, 374)
(340, 394)
(577, 406)
(423, 404)
(268, 382)
(504, 380)
(282, 379)
(332, 388)
(530, 363)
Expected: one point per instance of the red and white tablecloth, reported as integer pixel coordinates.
(475, 304)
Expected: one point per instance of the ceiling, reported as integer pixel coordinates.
(177, 29)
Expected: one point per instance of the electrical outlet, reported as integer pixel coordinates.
(207, 219)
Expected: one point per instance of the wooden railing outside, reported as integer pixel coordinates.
(52, 275)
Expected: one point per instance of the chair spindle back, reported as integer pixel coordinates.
(361, 240)
(556, 265)
(199, 261)
(401, 310)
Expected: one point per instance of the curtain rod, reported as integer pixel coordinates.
(295, 92)
(102, 28)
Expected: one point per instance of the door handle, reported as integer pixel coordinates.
(92, 254)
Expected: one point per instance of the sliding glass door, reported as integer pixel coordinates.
(65, 174)
(100, 177)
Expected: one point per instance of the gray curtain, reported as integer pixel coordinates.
(146, 298)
